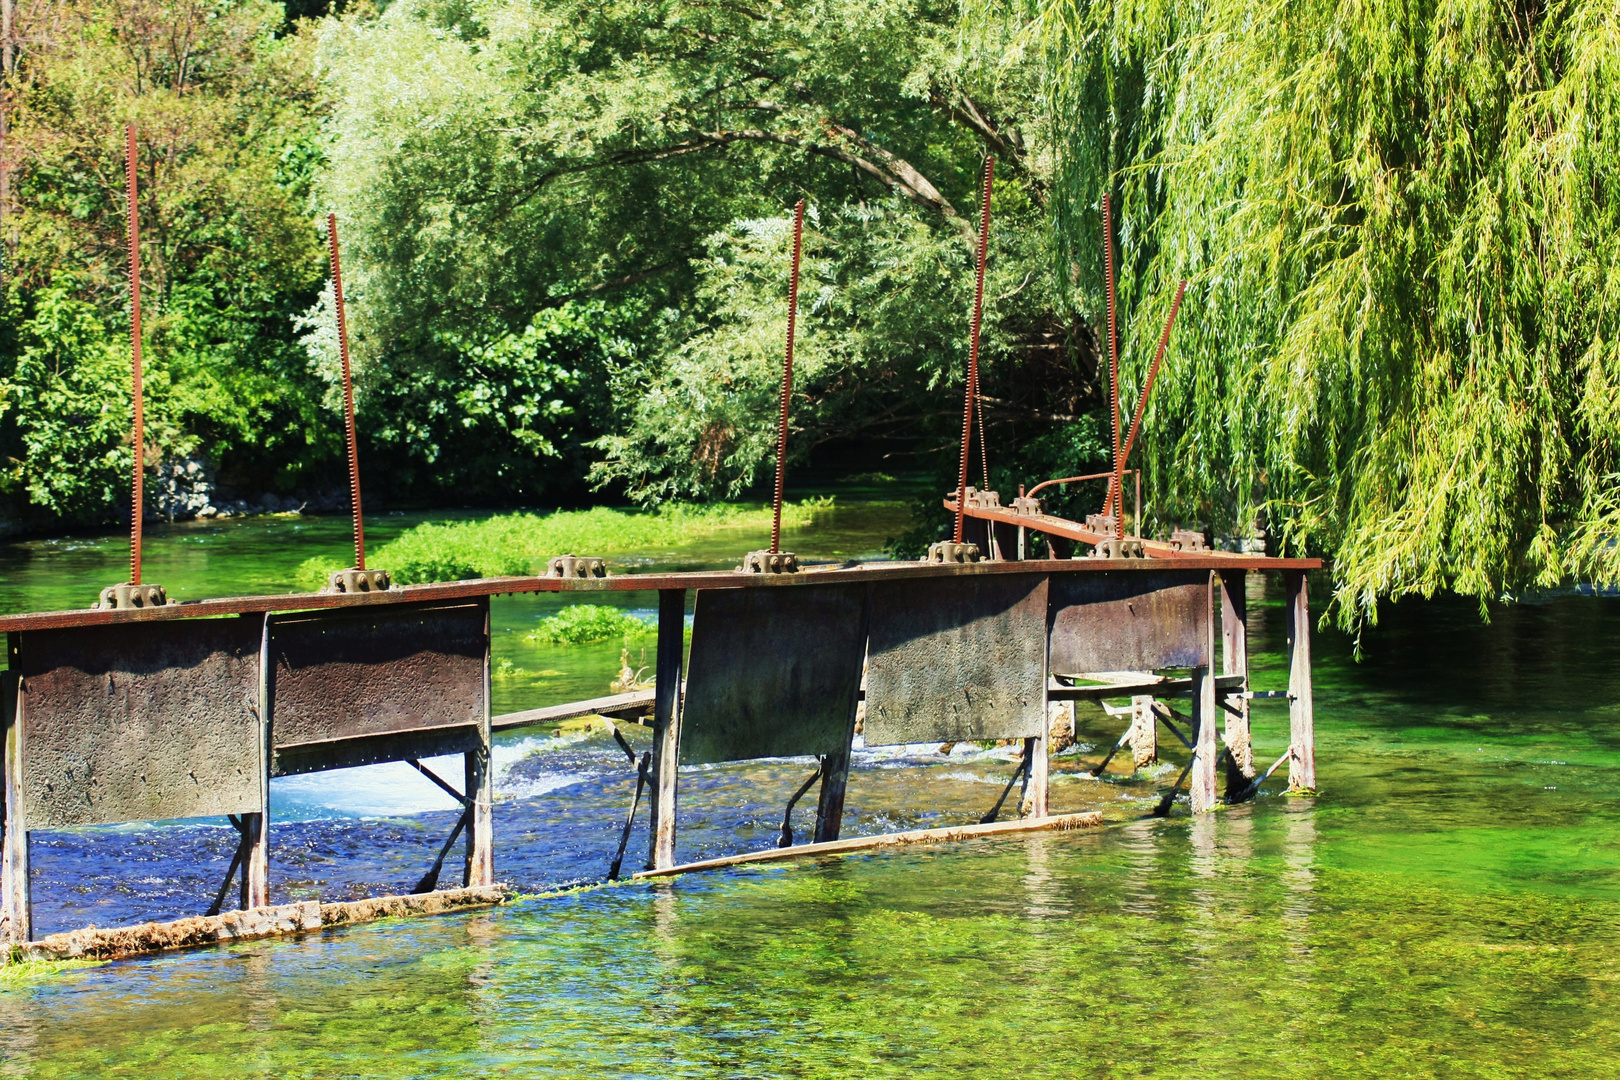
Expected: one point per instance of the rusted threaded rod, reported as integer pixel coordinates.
(1153, 373)
(1113, 365)
(348, 396)
(138, 500)
(787, 379)
(973, 348)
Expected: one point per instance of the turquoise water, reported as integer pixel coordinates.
(1446, 907)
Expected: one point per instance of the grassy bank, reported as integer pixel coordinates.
(522, 543)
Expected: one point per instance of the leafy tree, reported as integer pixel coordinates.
(226, 113)
(500, 157)
(1401, 228)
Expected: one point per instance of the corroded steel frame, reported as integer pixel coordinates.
(1107, 582)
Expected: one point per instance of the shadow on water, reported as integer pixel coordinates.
(1446, 907)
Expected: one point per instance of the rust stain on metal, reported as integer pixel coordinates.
(338, 681)
(141, 726)
(973, 347)
(1129, 621)
(951, 660)
(348, 394)
(773, 674)
(787, 379)
(137, 501)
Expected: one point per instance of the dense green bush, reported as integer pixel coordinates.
(520, 544)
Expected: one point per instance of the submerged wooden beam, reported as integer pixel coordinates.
(635, 703)
(1060, 823)
(253, 924)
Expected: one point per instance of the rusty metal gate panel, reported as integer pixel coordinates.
(774, 672)
(354, 687)
(957, 658)
(1129, 620)
(141, 723)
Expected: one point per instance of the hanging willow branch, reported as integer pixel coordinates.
(1401, 224)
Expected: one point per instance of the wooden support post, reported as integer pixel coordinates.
(835, 770)
(256, 869)
(480, 779)
(667, 726)
(1144, 731)
(1301, 714)
(1038, 752)
(1203, 708)
(1235, 661)
(16, 910)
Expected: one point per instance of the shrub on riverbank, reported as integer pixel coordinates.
(522, 543)
(580, 624)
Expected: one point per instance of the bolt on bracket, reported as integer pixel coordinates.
(357, 581)
(947, 551)
(125, 596)
(770, 562)
(576, 566)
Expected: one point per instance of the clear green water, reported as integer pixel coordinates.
(1449, 906)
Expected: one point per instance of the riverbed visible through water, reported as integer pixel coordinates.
(1448, 906)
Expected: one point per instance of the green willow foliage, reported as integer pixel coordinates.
(1401, 224)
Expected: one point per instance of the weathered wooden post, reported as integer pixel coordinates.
(1144, 732)
(480, 789)
(1235, 661)
(1206, 746)
(1038, 752)
(1301, 714)
(256, 827)
(15, 909)
(667, 725)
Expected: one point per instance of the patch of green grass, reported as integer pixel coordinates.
(583, 623)
(522, 543)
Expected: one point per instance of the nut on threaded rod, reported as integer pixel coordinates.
(348, 398)
(973, 348)
(787, 379)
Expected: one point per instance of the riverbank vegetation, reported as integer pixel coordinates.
(523, 543)
(566, 230)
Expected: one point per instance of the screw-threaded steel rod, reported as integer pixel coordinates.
(1113, 501)
(348, 396)
(787, 379)
(973, 348)
(1153, 373)
(138, 499)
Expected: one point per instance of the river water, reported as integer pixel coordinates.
(1448, 906)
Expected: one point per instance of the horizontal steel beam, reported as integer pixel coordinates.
(713, 579)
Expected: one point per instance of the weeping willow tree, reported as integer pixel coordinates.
(1401, 227)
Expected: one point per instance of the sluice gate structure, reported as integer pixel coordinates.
(188, 710)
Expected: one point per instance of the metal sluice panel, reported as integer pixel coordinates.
(1130, 620)
(354, 687)
(957, 658)
(773, 672)
(141, 723)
